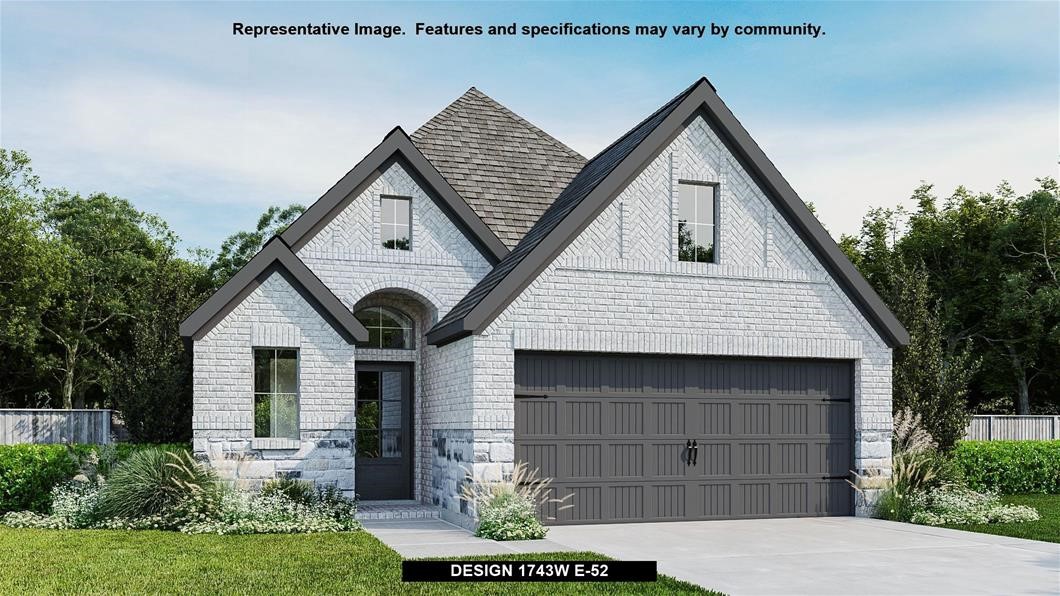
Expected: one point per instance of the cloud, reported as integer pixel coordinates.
(156, 138)
(146, 131)
(845, 167)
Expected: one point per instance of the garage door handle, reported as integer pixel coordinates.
(688, 451)
(695, 451)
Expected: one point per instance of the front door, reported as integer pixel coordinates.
(383, 439)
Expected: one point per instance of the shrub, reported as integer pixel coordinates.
(73, 505)
(507, 509)
(275, 513)
(155, 482)
(29, 472)
(298, 491)
(958, 506)
(1010, 467)
(509, 517)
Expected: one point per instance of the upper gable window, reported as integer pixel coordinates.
(696, 212)
(396, 222)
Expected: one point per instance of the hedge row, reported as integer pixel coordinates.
(1010, 467)
(28, 472)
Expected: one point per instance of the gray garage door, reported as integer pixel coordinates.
(772, 438)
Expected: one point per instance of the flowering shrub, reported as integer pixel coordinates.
(509, 517)
(958, 506)
(275, 513)
(161, 490)
(75, 506)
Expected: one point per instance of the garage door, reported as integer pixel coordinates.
(635, 438)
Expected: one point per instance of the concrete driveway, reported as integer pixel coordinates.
(827, 556)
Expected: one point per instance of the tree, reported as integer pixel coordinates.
(929, 379)
(930, 375)
(1024, 329)
(31, 268)
(108, 246)
(239, 248)
(152, 387)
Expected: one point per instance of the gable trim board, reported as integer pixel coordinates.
(562, 222)
(275, 257)
(395, 147)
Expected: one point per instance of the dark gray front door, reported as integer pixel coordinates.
(383, 439)
(646, 438)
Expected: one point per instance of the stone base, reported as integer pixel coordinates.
(248, 463)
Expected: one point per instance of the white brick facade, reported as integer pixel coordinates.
(274, 315)
(617, 288)
(424, 282)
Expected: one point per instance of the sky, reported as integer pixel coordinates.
(161, 104)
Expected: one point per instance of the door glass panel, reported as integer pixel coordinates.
(391, 417)
(392, 385)
(368, 385)
(391, 443)
(367, 443)
(368, 415)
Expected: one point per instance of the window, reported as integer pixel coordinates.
(696, 208)
(387, 328)
(276, 393)
(396, 218)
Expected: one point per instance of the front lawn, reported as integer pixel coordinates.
(1047, 528)
(123, 562)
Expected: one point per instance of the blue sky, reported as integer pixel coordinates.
(159, 103)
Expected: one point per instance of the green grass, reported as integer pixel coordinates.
(1047, 528)
(126, 562)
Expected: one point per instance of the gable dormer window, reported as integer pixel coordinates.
(697, 211)
(396, 222)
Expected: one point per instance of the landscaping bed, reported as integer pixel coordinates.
(1047, 528)
(127, 562)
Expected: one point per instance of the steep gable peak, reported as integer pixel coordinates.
(507, 169)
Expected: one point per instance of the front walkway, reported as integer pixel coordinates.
(426, 537)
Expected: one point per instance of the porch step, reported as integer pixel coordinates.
(396, 510)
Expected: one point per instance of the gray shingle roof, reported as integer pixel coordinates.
(508, 170)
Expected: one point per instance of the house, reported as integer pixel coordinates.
(665, 330)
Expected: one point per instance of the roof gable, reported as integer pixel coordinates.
(395, 146)
(607, 174)
(508, 170)
(274, 257)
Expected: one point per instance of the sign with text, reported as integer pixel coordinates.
(528, 571)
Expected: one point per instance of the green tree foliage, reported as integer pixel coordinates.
(239, 248)
(987, 264)
(108, 247)
(31, 269)
(929, 379)
(91, 295)
(152, 386)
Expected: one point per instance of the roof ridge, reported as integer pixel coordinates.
(663, 108)
(508, 112)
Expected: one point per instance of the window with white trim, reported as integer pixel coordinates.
(696, 227)
(396, 222)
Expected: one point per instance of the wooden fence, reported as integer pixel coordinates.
(54, 426)
(1013, 428)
